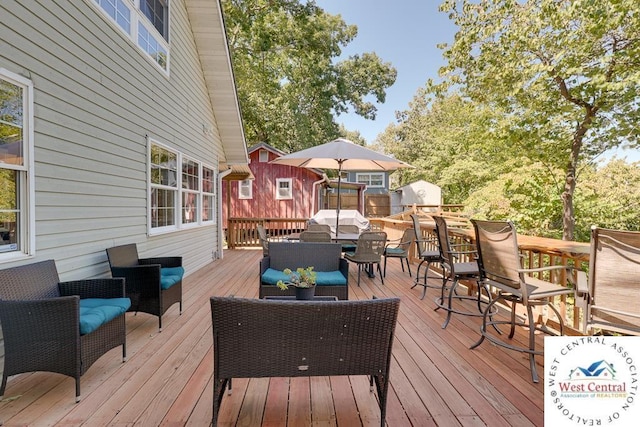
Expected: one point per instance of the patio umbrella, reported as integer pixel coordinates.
(343, 155)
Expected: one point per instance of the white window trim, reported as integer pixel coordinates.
(370, 174)
(212, 193)
(136, 17)
(263, 153)
(278, 181)
(28, 197)
(179, 225)
(241, 184)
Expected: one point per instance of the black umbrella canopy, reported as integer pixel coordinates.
(341, 154)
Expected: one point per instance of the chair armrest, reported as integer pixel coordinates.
(94, 288)
(582, 285)
(265, 263)
(51, 319)
(344, 269)
(139, 277)
(165, 262)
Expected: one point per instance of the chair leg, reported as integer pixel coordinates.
(418, 275)
(380, 272)
(385, 267)
(408, 265)
(454, 285)
(532, 345)
(359, 269)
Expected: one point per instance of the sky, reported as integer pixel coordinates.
(405, 33)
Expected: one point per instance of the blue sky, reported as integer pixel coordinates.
(405, 33)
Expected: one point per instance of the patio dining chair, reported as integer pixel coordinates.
(458, 263)
(315, 236)
(501, 268)
(428, 252)
(611, 297)
(399, 249)
(348, 229)
(369, 250)
(264, 239)
(319, 227)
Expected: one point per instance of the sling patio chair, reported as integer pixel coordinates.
(400, 249)
(264, 239)
(611, 297)
(458, 263)
(369, 250)
(428, 252)
(501, 269)
(315, 236)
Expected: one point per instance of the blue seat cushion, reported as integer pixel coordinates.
(95, 312)
(170, 276)
(323, 278)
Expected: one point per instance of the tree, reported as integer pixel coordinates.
(290, 84)
(566, 72)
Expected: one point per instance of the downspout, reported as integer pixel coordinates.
(325, 178)
(220, 232)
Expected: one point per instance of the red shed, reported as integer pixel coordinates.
(278, 191)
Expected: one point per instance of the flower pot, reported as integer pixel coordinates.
(305, 293)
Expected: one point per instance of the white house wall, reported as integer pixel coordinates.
(97, 98)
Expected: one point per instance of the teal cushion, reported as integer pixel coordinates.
(330, 278)
(323, 278)
(95, 312)
(271, 276)
(170, 276)
(395, 251)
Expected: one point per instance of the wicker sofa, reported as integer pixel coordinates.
(60, 327)
(332, 270)
(256, 338)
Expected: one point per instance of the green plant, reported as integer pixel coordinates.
(301, 278)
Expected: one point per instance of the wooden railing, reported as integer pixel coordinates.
(243, 232)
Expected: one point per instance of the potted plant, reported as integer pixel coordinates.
(303, 280)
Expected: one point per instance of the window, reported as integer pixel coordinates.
(181, 191)
(146, 22)
(17, 234)
(263, 156)
(245, 189)
(371, 179)
(284, 188)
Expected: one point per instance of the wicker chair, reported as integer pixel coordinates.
(144, 277)
(40, 319)
(427, 250)
(455, 270)
(611, 299)
(315, 236)
(256, 338)
(400, 249)
(319, 227)
(501, 268)
(369, 251)
(264, 240)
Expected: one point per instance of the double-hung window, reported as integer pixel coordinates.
(245, 189)
(145, 22)
(374, 179)
(284, 188)
(181, 191)
(17, 224)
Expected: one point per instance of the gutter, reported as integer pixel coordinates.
(220, 252)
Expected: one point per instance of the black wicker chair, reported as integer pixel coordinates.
(143, 280)
(40, 319)
(256, 338)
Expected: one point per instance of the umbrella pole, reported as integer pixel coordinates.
(338, 203)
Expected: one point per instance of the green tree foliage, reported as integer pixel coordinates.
(290, 84)
(565, 72)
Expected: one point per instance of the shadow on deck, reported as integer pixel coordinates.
(435, 378)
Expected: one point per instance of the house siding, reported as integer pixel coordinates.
(97, 98)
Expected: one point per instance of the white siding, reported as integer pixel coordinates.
(97, 97)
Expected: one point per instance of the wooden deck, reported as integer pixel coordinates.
(435, 378)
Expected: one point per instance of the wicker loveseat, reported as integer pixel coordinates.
(256, 338)
(58, 327)
(332, 270)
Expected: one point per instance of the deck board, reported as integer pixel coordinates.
(435, 379)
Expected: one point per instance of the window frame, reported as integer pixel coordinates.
(263, 156)
(284, 180)
(26, 226)
(248, 185)
(161, 57)
(369, 180)
(180, 191)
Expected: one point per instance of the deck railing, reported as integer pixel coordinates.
(243, 232)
